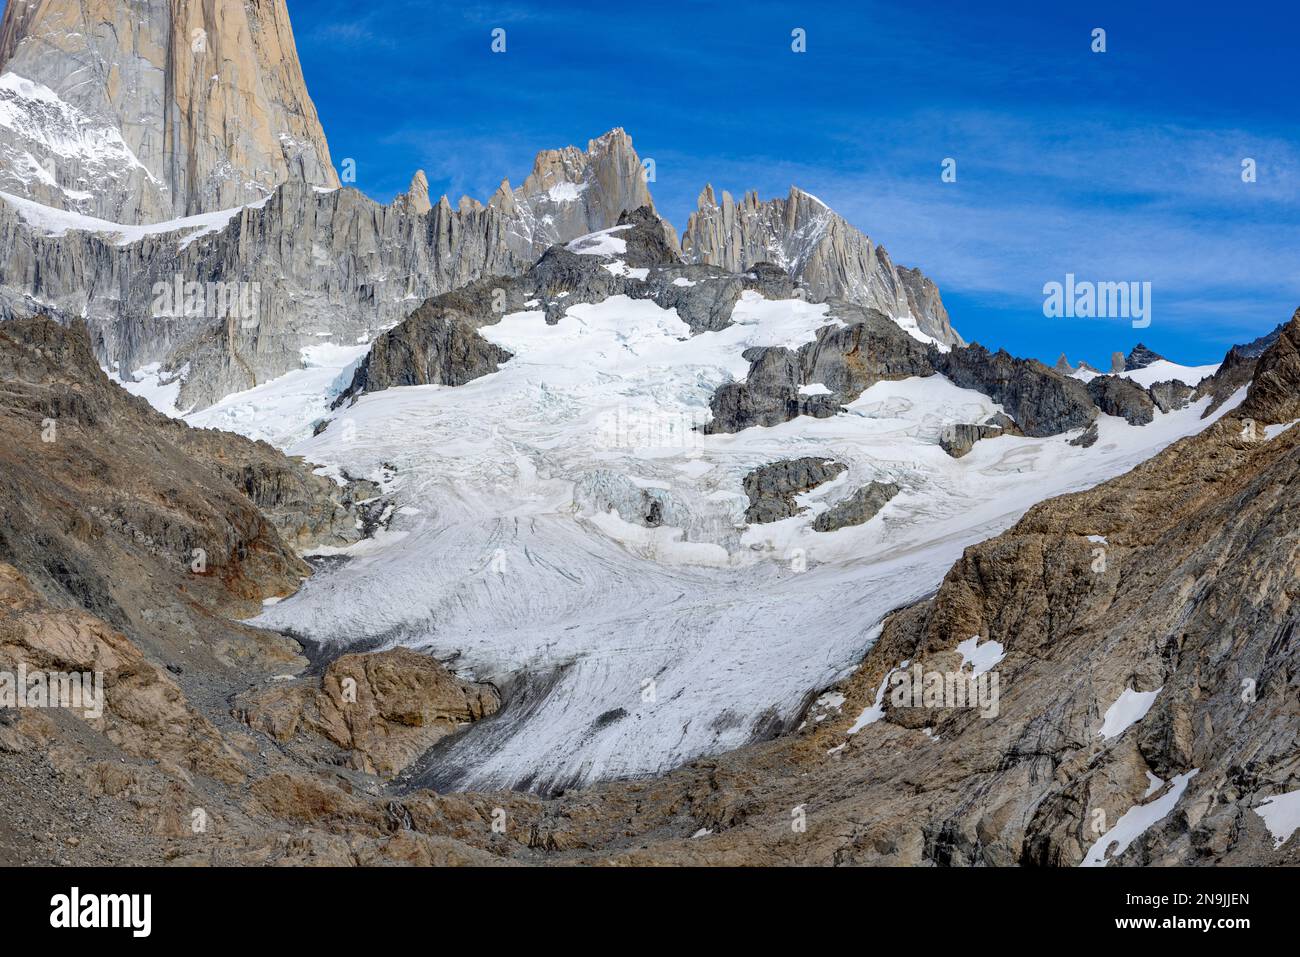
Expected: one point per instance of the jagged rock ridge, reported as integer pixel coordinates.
(313, 265)
(819, 248)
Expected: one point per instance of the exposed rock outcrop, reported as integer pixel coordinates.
(772, 488)
(958, 439)
(571, 193)
(1140, 357)
(132, 703)
(416, 198)
(436, 345)
(1116, 395)
(847, 357)
(858, 508)
(384, 709)
(1236, 371)
(768, 396)
(1088, 438)
(1274, 396)
(1171, 396)
(1004, 422)
(1041, 401)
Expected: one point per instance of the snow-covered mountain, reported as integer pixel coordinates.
(569, 528)
(598, 440)
(548, 497)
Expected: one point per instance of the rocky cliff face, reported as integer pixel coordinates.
(177, 106)
(1041, 401)
(830, 258)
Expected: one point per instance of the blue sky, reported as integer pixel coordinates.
(1118, 166)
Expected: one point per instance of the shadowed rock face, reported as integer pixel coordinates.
(1171, 396)
(958, 440)
(868, 348)
(1088, 438)
(1274, 395)
(436, 345)
(117, 509)
(1237, 369)
(772, 488)
(1041, 401)
(1115, 395)
(858, 508)
(1140, 358)
(651, 243)
(848, 359)
(768, 396)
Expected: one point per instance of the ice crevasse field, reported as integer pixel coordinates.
(518, 551)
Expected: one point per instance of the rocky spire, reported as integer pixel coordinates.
(202, 101)
(1116, 363)
(571, 192)
(1140, 358)
(1063, 365)
(416, 198)
(503, 199)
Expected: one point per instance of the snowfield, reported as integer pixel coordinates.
(520, 553)
(59, 222)
(1162, 370)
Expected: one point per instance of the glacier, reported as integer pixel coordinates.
(628, 647)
